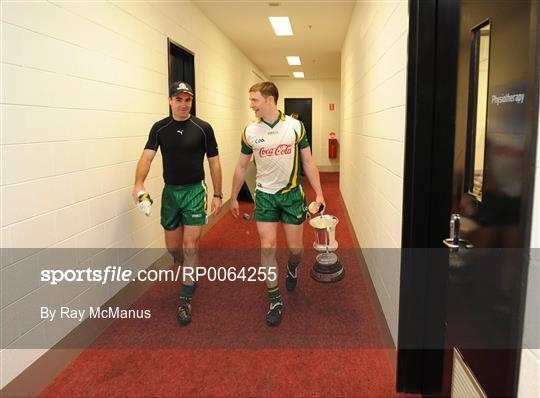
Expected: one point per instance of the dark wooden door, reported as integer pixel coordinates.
(182, 68)
(302, 107)
(472, 114)
(490, 195)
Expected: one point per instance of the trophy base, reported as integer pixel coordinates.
(327, 269)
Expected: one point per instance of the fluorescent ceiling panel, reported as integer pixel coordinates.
(294, 60)
(282, 26)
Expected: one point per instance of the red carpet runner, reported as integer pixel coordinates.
(327, 345)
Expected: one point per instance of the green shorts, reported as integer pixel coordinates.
(183, 205)
(289, 207)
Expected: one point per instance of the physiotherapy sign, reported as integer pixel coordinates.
(507, 108)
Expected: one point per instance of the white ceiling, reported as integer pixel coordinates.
(319, 31)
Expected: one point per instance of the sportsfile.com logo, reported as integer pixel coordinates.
(283, 149)
(120, 274)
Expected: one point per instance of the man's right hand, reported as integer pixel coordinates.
(235, 208)
(136, 189)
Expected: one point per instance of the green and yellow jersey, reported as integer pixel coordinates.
(276, 150)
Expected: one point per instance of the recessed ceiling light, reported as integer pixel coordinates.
(298, 75)
(282, 26)
(294, 60)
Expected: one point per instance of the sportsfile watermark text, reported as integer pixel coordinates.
(120, 274)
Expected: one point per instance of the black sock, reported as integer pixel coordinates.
(186, 293)
(274, 296)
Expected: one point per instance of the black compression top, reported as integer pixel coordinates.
(183, 146)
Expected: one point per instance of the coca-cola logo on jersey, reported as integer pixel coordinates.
(283, 149)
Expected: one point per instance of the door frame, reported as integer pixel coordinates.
(429, 146)
(187, 56)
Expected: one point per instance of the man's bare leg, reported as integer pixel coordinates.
(268, 235)
(173, 242)
(190, 246)
(294, 238)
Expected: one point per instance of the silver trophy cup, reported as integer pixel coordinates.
(327, 267)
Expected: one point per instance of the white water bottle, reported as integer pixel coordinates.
(315, 207)
(145, 202)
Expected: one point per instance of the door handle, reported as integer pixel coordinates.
(454, 241)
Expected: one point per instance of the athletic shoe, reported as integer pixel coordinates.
(291, 279)
(273, 316)
(184, 313)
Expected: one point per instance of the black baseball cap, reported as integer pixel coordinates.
(180, 87)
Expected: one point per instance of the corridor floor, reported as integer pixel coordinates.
(328, 344)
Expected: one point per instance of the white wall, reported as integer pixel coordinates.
(373, 94)
(324, 121)
(82, 83)
(529, 382)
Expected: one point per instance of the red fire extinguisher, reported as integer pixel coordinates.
(332, 146)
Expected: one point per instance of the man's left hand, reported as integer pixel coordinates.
(320, 199)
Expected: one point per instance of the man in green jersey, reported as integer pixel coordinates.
(281, 151)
